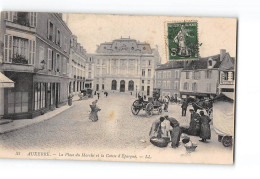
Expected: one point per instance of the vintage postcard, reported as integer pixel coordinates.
(117, 87)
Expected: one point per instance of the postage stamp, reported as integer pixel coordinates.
(182, 40)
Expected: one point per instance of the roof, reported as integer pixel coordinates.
(171, 65)
(202, 63)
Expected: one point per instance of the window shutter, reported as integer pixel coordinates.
(60, 39)
(34, 19)
(9, 16)
(10, 48)
(49, 63)
(6, 47)
(30, 52)
(31, 19)
(48, 29)
(33, 51)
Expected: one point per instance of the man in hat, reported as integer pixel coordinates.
(194, 128)
(205, 132)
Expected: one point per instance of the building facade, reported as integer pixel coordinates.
(201, 78)
(227, 75)
(167, 78)
(35, 57)
(78, 64)
(90, 71)
(125, 65)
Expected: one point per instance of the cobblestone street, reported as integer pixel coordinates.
(116, 129)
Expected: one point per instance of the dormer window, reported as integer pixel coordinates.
(210, 63)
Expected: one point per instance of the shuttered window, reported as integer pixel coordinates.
(50, 59)
(32, 49)
(9, 16)
(8, 48)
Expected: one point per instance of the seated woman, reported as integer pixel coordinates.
(93, 116)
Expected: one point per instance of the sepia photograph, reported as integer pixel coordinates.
(127, 88)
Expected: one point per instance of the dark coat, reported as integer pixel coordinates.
(205, 132)
(194, 126)
(93, 114)
(184, 105)
(175, 135)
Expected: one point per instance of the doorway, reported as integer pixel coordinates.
(122, 86)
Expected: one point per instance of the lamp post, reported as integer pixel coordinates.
(136, 91)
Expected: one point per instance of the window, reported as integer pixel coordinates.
(58, 63)
(98, 61)
(58, 38)
(168, 74)
(9, 16)
(149, 62)
(23, 18)
(142, 88)
(41, 55)
(19, 50)
(64, 64)
(149, 72)
(65, 44)
(51, 31)
(186, 86)
(89, 74)
(143, 72)
(225, 75)
(164, 74)
(39, 95)
(208, 74)
(17, 101)
(113, 85)
(187, 75)
(210, 63)
(177, 74)
(143, 81)
(148, 82)
(89, 67)
(176, 85)
(50, 59)
(194, 86)
(196, 75)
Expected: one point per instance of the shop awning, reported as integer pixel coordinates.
(5, 82)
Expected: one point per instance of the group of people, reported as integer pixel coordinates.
(167, 129)
(199, 125)
(164, 130)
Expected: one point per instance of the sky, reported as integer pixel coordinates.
(93, 29)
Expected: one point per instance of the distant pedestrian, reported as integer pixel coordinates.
(98, 95)
(166, 103)
(106, 93)
(205, 132)
(184, 107)
(93, 116)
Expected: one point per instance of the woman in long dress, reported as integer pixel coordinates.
(93, 116)
(205, 132)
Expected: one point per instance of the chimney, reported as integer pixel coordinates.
(222, 54)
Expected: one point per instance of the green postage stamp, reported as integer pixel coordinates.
(183, 40)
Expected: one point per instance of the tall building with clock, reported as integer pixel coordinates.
(125, 65)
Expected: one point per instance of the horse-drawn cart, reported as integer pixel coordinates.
(149, 106)
(223, 118)
(152, 105)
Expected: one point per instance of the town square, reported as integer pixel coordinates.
(165, 90)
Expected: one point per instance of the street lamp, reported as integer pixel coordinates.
(136, 91)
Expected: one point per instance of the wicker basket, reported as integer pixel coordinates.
(190, 148)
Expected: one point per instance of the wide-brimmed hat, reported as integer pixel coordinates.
(191, 110)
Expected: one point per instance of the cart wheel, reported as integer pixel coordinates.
(227, 141)
(135, 107)
(149, 109)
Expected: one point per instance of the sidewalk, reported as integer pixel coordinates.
(11, 125)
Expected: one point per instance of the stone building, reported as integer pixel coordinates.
(167, 78)
(201, 78)
(78, 65)
(125, 65)
(36, 58)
